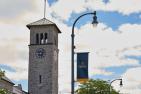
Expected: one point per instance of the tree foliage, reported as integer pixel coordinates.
(4, 91)
(2, 73)
(95, 87)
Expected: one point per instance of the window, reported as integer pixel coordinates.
(41, 38)
(46, 38)
(40, 79)
(37, 38)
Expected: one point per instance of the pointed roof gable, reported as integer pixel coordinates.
(43, 22)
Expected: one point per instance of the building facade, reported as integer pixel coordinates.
(43, 57)
(18, 89)
(7, 84)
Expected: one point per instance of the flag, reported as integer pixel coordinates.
(82, 67)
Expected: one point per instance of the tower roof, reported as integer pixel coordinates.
(43, 22)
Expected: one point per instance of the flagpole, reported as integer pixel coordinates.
(45, 9)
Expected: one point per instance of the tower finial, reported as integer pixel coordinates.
(45, 9)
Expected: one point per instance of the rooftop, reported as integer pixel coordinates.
(42, 22)
(7, 79)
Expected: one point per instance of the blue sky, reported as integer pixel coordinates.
(114, 45)
(111, 19)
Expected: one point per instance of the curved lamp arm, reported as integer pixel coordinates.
(91, 13)
(73, 47)
(114, 81)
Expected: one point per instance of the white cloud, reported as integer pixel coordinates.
(12, 40)
(64, 8)
(121, 6)
(131, 81)
(22, 11)
(107, 45)
(14, 8)
(107, 48)
(125, 7)
(14, 49)
(20, 72)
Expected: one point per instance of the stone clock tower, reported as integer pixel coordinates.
(43, 57)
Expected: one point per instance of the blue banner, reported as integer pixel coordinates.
(82, 66)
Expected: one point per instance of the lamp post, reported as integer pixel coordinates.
(121, 84)
(94, 22)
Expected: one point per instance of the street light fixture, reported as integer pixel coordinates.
(94, 22)
(121, 84)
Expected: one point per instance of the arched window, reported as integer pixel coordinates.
(46, 38)
(41, 38)
(37, 38)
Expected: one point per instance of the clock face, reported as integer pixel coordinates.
(40, 53)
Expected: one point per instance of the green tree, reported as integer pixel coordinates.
(2, 73)
(95, 87)
(4, 91)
